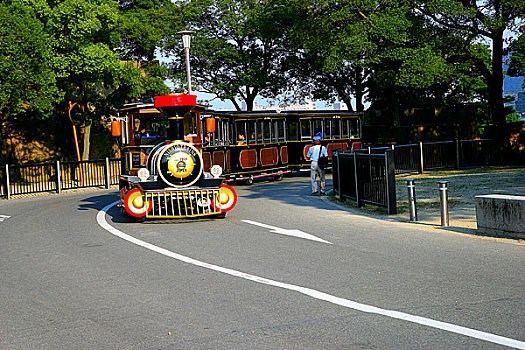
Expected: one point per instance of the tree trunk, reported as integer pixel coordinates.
(249, 103)
(251, 94)
(393, 107)
(235, 104)
(359, 107)
(87, 136)
(495, 85)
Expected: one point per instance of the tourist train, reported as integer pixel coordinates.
(178, 157)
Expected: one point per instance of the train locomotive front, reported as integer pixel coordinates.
(172, 183)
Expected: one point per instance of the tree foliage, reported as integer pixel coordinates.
(26, 73)
(144, 25)
(472, 22)
(391, 53)
(237, 52)
(90, 51)
(517, 57)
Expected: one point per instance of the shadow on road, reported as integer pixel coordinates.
(294, 190)
(100, 201)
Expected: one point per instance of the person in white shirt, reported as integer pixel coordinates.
(314, 153)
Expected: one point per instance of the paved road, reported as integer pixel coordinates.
(73, 277)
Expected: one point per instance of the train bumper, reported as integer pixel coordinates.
(187, 203)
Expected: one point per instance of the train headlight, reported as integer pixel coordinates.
(216, 171)
(138, 202)
(143, 174)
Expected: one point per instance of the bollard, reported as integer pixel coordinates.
(443, 197)
(412, 199)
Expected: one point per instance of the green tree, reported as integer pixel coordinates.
(473, 22)
(144, 25)
(384, 50)
(88, 67)
(517, 57)
(332, 50)
(84, 34)
(418, 64)
(26, 75)
(88, 51)
(236, 52)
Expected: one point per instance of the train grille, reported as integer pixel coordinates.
(180, 204)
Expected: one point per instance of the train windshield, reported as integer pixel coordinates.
(150, 130)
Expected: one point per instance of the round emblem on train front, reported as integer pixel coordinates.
(179, 164)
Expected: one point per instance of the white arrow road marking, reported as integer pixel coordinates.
(449, 327)
(282, 231)
(4, 217)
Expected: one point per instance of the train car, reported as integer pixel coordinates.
(248, 145)
(163, 173)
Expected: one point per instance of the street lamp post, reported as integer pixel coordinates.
(186, 39)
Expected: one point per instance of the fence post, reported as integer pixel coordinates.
(390, 172)
(338, 174)
(2, 183)
(412, 199)
(58, 177)
(7, 184)
(107, 173)
(356, 181)
(456, 166)
(421, 164)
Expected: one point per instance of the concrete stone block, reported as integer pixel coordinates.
(501, 215)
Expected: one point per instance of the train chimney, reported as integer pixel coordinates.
(175, 107)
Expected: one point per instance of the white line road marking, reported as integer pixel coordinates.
(282, 231)
(101, 219)
(4, 217)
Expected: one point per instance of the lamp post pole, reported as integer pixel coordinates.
(186, 39)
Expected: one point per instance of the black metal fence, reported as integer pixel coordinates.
(371, 167)
(433, 155)
(57, 176)
(365, 178)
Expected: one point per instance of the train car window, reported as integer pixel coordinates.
(318, 128)
(189, 124)
(345, 130)
(293, 131)
(327, 128)
(251, 132)
(226, 137)
(306, 129)
(241, 133)
(336, 128)
(218, 132)
(150, 131)
(229, 132)
(279, 130)
(355, 128)
(136, 124)
(124, 136)
(266, 131)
